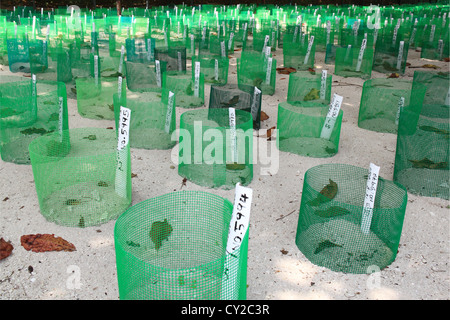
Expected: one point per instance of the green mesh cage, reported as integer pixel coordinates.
(349, 63)
(172, 247)
(304, 86)
(81, 178)
(246, 98)
(299, 53)
(382, 100)
(436, 101)
(390, 58)
(95, 97)
(214, 68)
(301, 129)
(208, 154)
(184, 86)
(329, 231)
(18, 55)
(258, 70)
(28, 111)
(174, 56)
(145, 76)
(153, 118)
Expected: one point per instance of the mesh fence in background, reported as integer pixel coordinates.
(172, 247)
(304, 86)
(329, 231)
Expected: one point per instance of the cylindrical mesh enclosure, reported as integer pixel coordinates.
(28, 110)
(382, 100)
(95, 97)
(172, 247)
(145, 76)
(247, 98)
(299, 54)
(329, 231)
(422, 154)
(304, 86)
(81, 178)
(189, 90)
(389, 58)
(210, 154)
(153, 118)
(302, 129)
(174, 56)
(258, 70)
(214, 68)
(353, 62)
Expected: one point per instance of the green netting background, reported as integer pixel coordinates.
(295, 52)
(390, 58)
(205, 155)
(81, 178)
(329, 230)
(191, 230)
(253, 70)
(183, 85)
(152, 121)
(247, 98)
(381, 103)
(175, 57)
(304, 86)
(25, 116)
(300, 126)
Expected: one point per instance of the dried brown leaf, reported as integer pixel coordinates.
(394, 75)
(430, 66)
(6, 249)
(286, 70)
(45, 242)
(264, 116)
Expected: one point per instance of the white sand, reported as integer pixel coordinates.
(276, 267)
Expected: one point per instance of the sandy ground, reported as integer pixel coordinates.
(276, 268)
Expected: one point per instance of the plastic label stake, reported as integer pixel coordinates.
(158, 73)
(222, 49)
(447, 98)
(122, 155)
(96, 70)
(216, 69)
(197, 79)
(119, 86)
(369, 199)
(233, 140)
(230, 41)
(150, 50)
(266, 41)
(400, 55)
(332, 115)
(33, 95)
(180, 68)
(122, 55)
(323, 85)
(268, 70)
(328, 32)
(401, 104)
(255, 103)
(308, 52)
(60, 118)
(192, 44)
(170, 105)
(361, 55)
(238, 228)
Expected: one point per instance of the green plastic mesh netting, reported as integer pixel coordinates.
(247, 98)
(172, 247)
(145, 76)
(258, 70)
(28, 111)
(175, 57)
(189, 90)
(209, 155)
(353, 62)
(329, 229)
(153, 118)
(81, 178)
(382, 100)
(214, 68)
(301, 129)
(304, 86)
(390, 58)
(299, 54)
(422, 154)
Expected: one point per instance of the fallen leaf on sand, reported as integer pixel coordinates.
(286, 70)
(394, 75)
(268, 134)
(45, 242)
(264, 116)
(446, 59)
(5, 249)
(430, 66)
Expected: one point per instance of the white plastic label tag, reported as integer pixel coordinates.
(169, 112)
(332, 115)
(369, 199)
